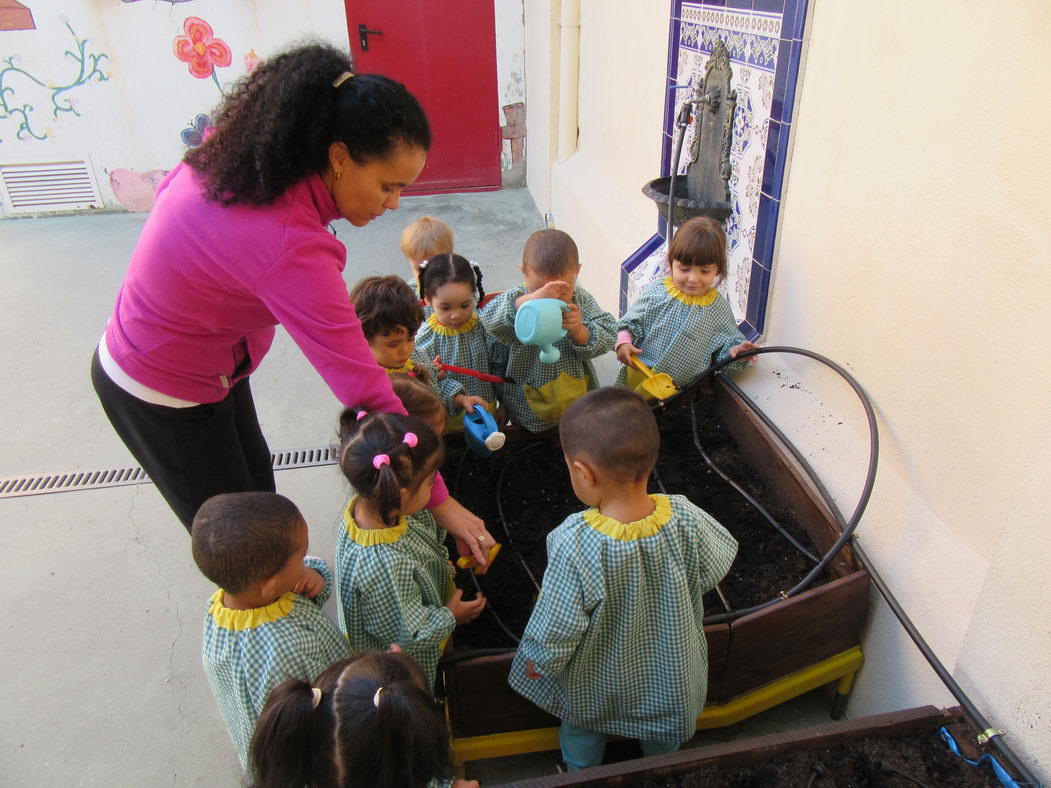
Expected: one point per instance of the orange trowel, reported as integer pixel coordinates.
(659, 385)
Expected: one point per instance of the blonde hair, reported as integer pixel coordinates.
(426, 237)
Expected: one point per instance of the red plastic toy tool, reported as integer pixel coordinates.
(472, 372)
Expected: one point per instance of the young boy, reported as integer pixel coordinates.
(390, 314)
(615, 644)
(264, 624)
(423, 239)
(541, 392)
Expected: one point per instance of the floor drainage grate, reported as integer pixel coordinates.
(47, 483)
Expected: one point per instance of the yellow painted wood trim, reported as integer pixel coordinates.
(846, 663)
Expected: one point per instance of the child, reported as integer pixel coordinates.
(542, 392)
(423, 239)
(678, 324)
(366, 721)
(264, 624)
(420, 402)
(390, 315)
(615, 644)
(393, 576)
(452, 287)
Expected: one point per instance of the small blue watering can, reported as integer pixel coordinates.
(481, 433)
(539, 322)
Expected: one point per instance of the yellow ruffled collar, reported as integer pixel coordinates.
(238, 620)
(445, 331)
(640, 529)
(372, 536)
(405, 368)
(704, 300)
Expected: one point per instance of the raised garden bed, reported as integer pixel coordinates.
(528, 483)
(901, 748)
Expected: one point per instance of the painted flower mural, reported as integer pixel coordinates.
(201, 50)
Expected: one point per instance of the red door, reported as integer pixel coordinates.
(445, 53)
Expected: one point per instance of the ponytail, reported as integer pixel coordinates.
(275, 127)
(284, 748)
(443, 269)
(383, 453)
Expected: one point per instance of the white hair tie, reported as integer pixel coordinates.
(317, 697)
(376, 698)
(341, 79)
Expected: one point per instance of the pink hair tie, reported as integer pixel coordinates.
(410, 439)
(362, 414)
(380, 460)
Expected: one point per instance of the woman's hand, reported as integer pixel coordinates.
(468, 530)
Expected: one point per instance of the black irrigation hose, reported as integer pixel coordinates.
(957, 691)
(886, 767)
(744, 493)
(870, 478)
(503, 518)
(491, 609)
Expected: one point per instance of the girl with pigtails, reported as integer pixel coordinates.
(393, 575)
(365, 722)
(452, 333)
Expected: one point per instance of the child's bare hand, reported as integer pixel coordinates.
(530, 671)
(574, 324)
(742, 348)
(441, 373)
(310, 584)
(462, 611)
(625, 352)
(557, 289)
(468, 402)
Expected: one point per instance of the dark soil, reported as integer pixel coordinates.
(877, 762)
(528, 479)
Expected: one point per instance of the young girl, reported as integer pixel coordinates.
(452, 288)
(393, 576)
(390, 314)
(420, 402)
(369, 721)
(678, 324)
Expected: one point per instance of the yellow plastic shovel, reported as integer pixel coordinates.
(659, 385)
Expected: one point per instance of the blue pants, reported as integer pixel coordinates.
(581, 748)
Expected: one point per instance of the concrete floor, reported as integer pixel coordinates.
(102, 678)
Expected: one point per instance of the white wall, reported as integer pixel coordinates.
(510, 63)
(913, 249)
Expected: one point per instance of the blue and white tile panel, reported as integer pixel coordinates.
(764, 38)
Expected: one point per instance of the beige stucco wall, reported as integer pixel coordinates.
(913, 249)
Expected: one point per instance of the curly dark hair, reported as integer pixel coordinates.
(276, 127)
(442, 269)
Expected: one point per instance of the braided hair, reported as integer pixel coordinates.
(380, 460)
(276, 126)
(443, 269)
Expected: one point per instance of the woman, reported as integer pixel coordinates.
(238, 242)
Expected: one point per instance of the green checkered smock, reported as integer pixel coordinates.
(678, 333)
(468, 346)
(392, 585)
(444, 390)
(616, 633)
(249, 652)
(541, 392)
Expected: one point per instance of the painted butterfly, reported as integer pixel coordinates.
(193, 135)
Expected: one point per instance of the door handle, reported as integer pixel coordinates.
(363, 36)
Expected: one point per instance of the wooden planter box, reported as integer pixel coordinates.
(756, 651)
(922, 720)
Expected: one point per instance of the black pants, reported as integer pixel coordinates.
(192, 453)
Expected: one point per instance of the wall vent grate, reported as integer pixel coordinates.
(72, 481)
(48, 186)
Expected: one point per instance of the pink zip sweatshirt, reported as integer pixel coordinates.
(207, 283)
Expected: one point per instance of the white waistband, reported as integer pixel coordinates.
(132, 386)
